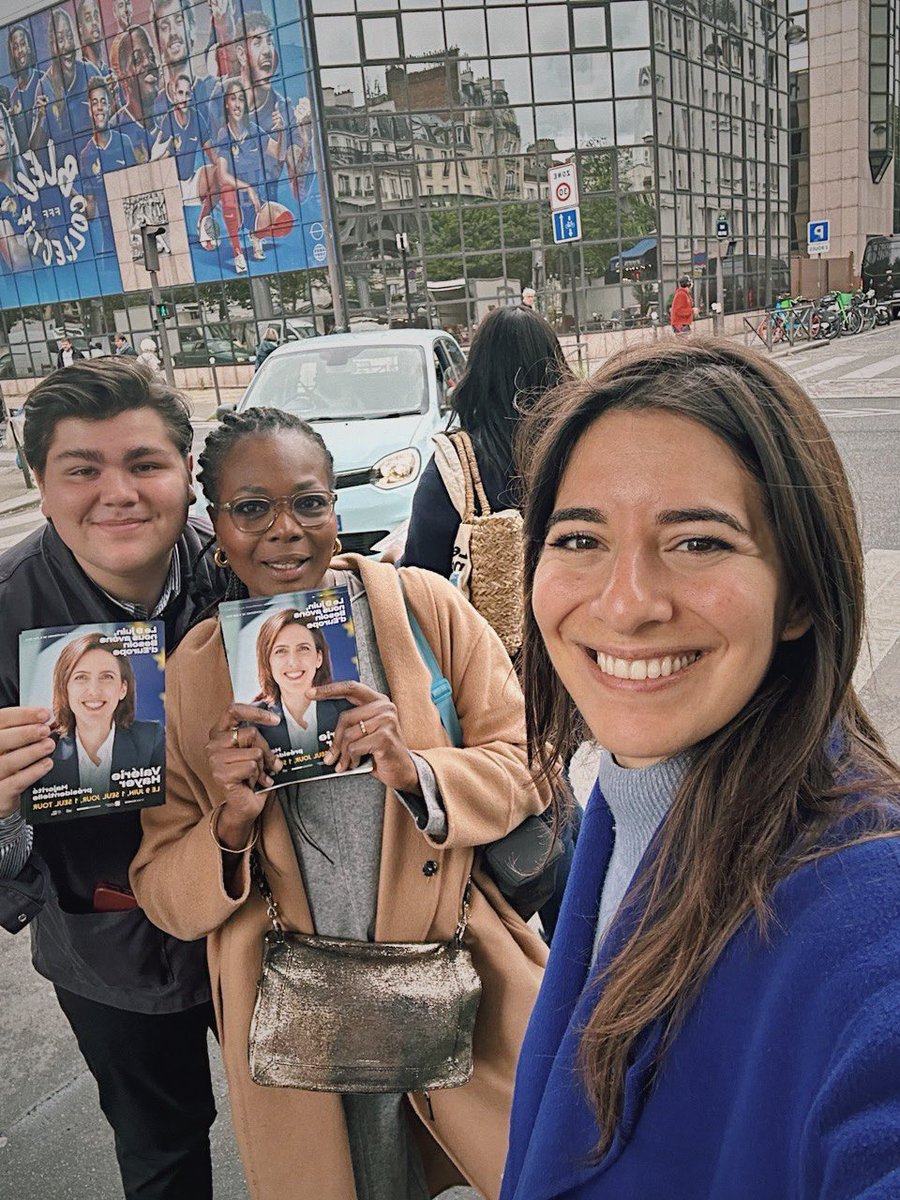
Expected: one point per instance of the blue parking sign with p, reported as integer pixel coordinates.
(817, 231)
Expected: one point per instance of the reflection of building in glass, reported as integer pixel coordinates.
(674, 116)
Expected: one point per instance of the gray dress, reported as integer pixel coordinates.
(344, 816)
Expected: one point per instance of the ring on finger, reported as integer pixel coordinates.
(235, 735)
(362, 726)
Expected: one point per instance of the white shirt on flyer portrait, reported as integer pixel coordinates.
(96, 776)
(306, 739)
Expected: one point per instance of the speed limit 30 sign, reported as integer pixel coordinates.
(563, 183)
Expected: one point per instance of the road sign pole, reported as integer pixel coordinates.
(575, 302)
(160, 324)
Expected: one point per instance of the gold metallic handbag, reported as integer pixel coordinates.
(337, 1015)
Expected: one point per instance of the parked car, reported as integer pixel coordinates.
(881, 270)
(290, 329)
(376, 398)
(198, 351)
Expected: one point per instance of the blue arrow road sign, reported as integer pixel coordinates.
(817, 231)
(567, 225)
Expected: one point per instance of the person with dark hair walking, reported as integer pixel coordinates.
(109, 445)
(719, 1013)
(515, 357)
(376, 857)
(681, 314)
(514, 360)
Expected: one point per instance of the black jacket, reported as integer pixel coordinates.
(118, 959)
(327, 714)
(76, 354)
(263, 350)
(434, 521)
(141, 744)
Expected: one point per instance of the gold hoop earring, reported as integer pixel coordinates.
(220, 558)
(337, 548)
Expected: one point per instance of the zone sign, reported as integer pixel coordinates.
(563, 183)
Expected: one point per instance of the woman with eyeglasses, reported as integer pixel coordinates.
(379, 857)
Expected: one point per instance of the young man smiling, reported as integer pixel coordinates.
(110, 448)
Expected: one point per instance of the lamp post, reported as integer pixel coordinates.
(793, 34)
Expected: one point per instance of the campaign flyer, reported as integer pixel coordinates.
(105, 688)
(278, 648)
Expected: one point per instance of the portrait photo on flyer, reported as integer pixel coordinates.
(278, 648)
(104, 686)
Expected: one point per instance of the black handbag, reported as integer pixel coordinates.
(523, 864)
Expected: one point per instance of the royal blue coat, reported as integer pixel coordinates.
(782, 1084)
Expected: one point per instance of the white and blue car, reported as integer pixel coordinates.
(376, 398)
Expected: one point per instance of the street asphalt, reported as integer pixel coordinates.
(54, 1143)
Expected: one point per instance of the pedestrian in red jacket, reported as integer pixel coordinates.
(682, 313)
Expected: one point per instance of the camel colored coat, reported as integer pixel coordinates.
(294, 1143)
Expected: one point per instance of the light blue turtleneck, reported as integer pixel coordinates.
(638, 799)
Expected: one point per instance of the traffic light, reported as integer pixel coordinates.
(149, 234)
(163, 310)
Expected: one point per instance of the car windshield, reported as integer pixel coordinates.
(338, 382)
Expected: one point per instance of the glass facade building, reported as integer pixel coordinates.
(441, 123)
(421, 131)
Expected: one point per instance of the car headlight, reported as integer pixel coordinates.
(396, 469)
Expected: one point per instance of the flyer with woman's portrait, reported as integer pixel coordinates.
(105, 688)
(278, 648)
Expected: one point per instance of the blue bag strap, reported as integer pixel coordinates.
(441, 691)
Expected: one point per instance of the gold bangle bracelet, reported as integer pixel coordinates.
(213, 822)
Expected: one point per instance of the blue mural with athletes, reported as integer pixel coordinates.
(95, 87)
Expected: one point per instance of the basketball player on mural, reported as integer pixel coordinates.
(246, 154)
(173, 24)
(13, 251)
(22, 63)
(187, 135)
(106, 150)
(90, 34)
(123, 14)
(137, 71)
(61, 113)
(258, 59)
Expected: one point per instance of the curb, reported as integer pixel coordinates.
(819, 344)
(17, 504)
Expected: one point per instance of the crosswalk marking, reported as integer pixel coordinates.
(17, 526)
(822, 368)
(859, 412)
(883, 367)
(882, 612)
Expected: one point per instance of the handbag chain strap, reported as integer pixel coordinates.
(258, 875)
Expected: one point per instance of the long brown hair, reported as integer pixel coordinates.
(269, 631)
(70, 656)
(762, 793)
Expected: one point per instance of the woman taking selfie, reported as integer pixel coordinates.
(379, 857)
(719, 1013)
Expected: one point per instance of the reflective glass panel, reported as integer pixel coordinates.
(593, 76)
